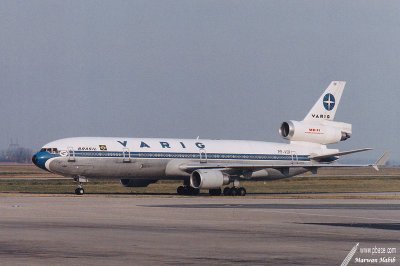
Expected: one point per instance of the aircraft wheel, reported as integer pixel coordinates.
(233, 191)
(180, 190)
(189, 191)
(226, 191)
(242, 191)
(215, 192)
(195, 191)
(185, 191)
(79, 191)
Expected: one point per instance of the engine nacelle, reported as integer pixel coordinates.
(204, 178)
(136, 182)
(326, 132)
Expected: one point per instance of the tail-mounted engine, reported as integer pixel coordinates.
(325, 132)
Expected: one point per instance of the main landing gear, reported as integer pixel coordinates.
(235, 191)
(229, 191)
(80, 180)
(215, 192)
(188, 190)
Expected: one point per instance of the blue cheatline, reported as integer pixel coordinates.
(177, 155)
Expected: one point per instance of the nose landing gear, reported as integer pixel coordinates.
(80, 180)
(79, 191)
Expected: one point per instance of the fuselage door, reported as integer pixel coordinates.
(71, 154)
(126, 155)
(203, 156)
(295, 158)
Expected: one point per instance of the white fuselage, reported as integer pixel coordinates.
(205, 164)
(156, 158)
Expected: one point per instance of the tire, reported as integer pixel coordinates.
(195, 191)
(242, 191)
(186, 191)
(190, 191)
(233, 191)
(215, 192)
(180, 190)
(79, 191)
(226, 191)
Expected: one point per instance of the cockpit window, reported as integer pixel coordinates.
(50, 150)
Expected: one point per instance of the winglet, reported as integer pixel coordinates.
(382, 161)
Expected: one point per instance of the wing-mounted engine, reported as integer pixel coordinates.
(137, 182)
(208, 179)
(324, 132)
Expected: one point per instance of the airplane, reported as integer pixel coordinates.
(205, 163)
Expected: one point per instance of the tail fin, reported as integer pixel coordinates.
(325, 108)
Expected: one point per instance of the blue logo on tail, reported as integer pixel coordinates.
(329, 102)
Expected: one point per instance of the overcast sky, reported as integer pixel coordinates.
(214, 69)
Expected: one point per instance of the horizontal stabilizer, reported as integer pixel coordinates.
(318, 157)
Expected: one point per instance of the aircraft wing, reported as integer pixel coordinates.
(254, 167)
(318, 157)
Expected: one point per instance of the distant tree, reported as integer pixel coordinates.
(17, 155)
(392, 163)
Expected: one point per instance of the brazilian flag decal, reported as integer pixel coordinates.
(103, 147)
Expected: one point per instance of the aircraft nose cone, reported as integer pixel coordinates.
(34, 159)
(40, 159)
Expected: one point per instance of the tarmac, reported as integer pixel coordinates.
(108, 230)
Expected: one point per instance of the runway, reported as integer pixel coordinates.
(107, 230)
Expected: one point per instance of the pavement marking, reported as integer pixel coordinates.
(330, 215)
